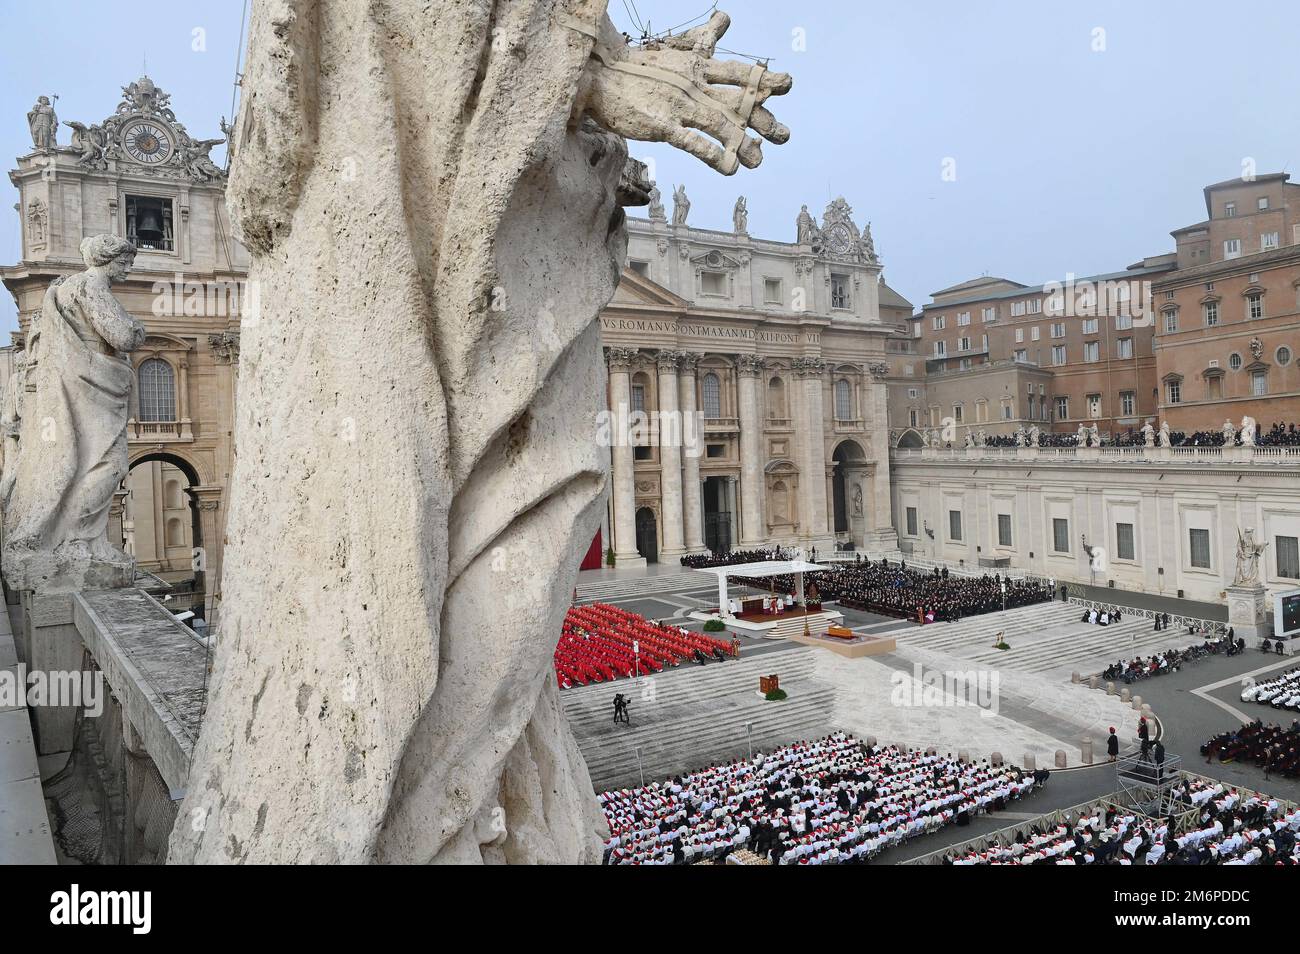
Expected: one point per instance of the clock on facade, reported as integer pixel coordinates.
(839, 238)
(147, 142)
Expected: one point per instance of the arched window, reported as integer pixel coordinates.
(843, 400)
(776, 398)
(712, 388)
(157, 390)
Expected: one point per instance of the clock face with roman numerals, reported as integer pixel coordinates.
(147, 142)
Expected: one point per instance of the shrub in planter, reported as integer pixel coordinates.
(714, 626)
(776, 695)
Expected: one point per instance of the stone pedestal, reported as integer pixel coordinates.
(1248, 612)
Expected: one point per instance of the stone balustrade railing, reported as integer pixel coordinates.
(1123, 455)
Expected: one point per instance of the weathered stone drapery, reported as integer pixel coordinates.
(407, 512)
(69, 412)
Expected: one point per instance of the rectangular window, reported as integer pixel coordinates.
(1004, 529)
(1058, 354)
(965, 364)
(1255, 306)
(963, 344)
(1123, 322)
(1058, 329)
(772, 291)
(1022, 355)
(713, 283)
(1020, 336)
(638, 397)
(1090, 326)
(1261, 203)
(1035, 306)
(963, 318)
(1124, 348)
(1171, 322)
(1267, 241)
(1211, 312)
(1199, 541)
(1094, 406)
(1062, 408)
(957, 413)
(1288, 557)
(1128, 403)
(1007, 411)
(1034, 333)
(641, 268)
(954, 524)
(1092, 351)
(940, 322)
(914, 418)
(1259, 383)
(1173, 392)
(1017, 309)
(911, 521)
(1060, 535)
(1232, 248)
(913, 392)
(940, 349)
(1124, 541)
(840, 292)
(988, 314)
(1229, 209)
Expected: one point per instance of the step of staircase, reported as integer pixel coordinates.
(697, 716)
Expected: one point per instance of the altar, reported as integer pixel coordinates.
(775, 616)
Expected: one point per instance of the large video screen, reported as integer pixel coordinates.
(1290, 613)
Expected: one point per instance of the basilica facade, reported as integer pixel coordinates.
(772, 355)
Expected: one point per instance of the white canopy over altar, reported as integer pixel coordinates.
(760, 569)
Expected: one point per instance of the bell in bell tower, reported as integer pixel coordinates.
(149, 222)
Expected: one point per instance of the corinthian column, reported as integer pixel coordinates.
(624, 493)
(753, 527)
(670, 455)
(692, 503)
(882, 532)
(813, 465)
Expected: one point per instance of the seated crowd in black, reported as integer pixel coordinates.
(892, 589)
(1270, 747)
(702, 561)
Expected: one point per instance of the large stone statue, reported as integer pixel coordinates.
(1148, 434)
(417, 471)
(1166, 439)
(1094, 436)
(69, 415)
(657, 205)
(43, 123)
(805, 227)
(740, 217)
(1247, 432)
(1229, 434)
(1081, 436)
(1248, 553)
(681, 205)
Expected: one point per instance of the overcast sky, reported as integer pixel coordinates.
(1076, 135)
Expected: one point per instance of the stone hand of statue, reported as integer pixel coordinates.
(666, 89)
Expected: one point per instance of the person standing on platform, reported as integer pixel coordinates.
(1112, 745)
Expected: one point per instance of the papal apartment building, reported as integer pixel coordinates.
(1228, 319)
(1195, 337)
